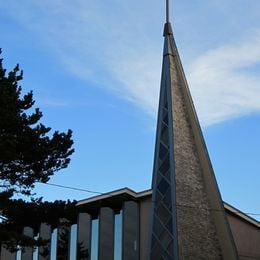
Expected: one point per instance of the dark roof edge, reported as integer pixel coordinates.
(241, 214)
(118, 192)
(145, 193)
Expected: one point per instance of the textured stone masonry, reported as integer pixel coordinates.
(196, 232)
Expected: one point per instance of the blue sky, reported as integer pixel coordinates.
(95, 67)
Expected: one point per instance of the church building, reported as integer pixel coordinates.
(182, 216)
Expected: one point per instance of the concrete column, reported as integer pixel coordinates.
(6, 254)
(106, 234)
(84, 236)
(45, 234)
(130, 243)
(27, 254)
(63, 240)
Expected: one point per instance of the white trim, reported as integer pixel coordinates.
(241, 215)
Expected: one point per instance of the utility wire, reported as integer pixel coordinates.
(101, 193)
(211, 209)
(72, 188)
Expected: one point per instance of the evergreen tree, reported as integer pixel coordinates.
(28, 154)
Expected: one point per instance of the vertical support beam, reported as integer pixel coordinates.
(130, 245)
(44, 252)
(6, 254)
(27, 253)
(84, 236)
(63, 240)
(106, 234)
(145, 213)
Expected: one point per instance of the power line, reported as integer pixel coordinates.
(101, 193)
(212, 209)
(72, 188)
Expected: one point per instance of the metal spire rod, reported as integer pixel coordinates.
(167, 12)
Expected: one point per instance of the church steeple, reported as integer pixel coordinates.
(188, 218)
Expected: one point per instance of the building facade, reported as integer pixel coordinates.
(117, 226)
(127, 216)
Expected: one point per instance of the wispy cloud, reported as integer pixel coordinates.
(48, 102)
(138, 77)
(121, 52)
(224, 81)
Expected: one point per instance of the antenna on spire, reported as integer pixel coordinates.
(167, 26)
(167, 12)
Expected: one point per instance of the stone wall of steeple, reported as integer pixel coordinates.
(197, 237)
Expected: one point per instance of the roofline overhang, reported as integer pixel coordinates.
(241, 214)
(146, 193)
(119, 192)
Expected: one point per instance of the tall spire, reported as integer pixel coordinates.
(188, 219)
